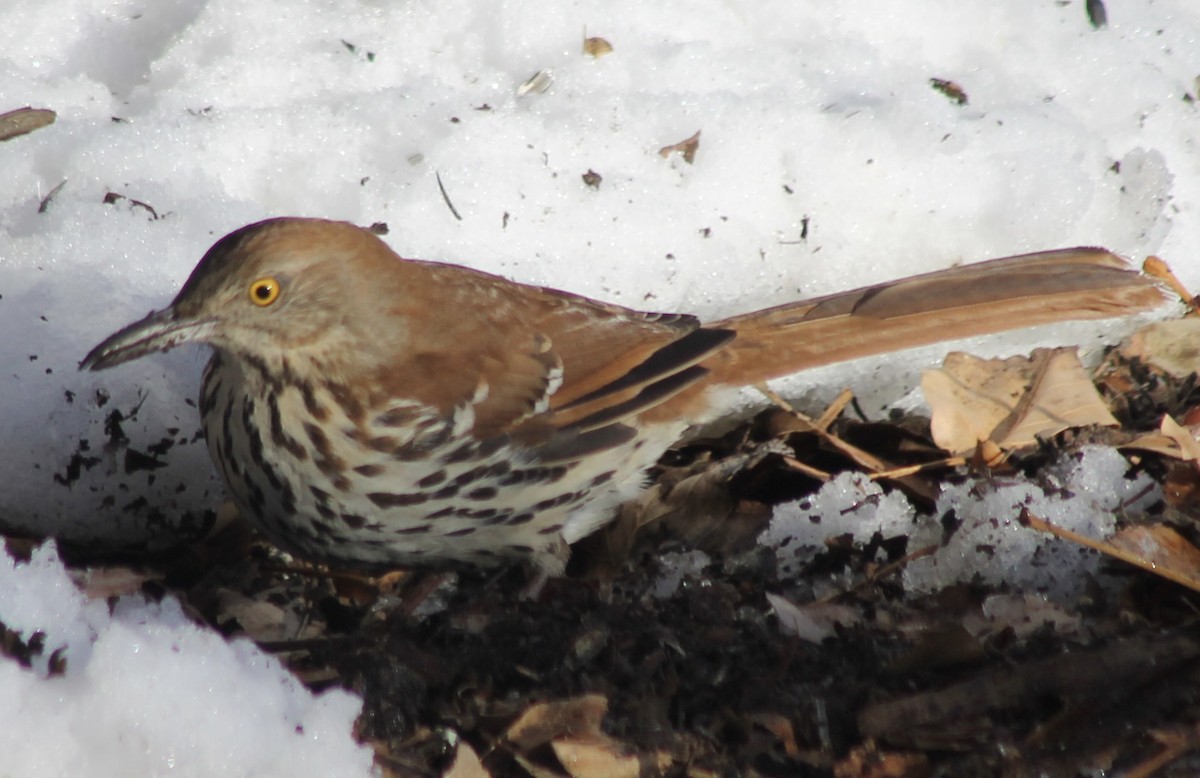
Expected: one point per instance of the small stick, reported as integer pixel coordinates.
(446, 197)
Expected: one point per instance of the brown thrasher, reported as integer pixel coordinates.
(372, 411)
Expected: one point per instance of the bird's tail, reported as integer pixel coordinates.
(979, 299)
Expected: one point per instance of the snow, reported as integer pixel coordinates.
(984, 540)
(145, 691)
(826, 161)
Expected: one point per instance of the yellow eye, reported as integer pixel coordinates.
(264, 291)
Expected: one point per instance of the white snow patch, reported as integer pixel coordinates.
(989, 544)
(147, 691)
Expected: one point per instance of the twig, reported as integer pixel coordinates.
(446, 197)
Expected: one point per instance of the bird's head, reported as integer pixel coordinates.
(275, 286)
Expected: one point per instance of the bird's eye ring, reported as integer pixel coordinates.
(264, 291)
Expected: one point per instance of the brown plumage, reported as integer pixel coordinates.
(373, 411)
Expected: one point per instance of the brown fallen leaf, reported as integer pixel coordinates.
(864, 459)
(1162, 548)
(1171, 440)
(950, 89)
(23, 121)
(781, 727)
(1171, 346)
(1022, 614)
(44, 205)
(1181, 486)
(1157, 549)
(869, 762)
(546, 721)
(99, 583)
(596, 47)
(812, 622)
(599, 756)
(1189, 448)
(260, 620)
(467, 763)
(536, 84)
(685, 147)
(1010, 401)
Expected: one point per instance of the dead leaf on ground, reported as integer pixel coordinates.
(1181, 485)
(1162, 550)
(546, 721)
(950, 89)
(23, 121)
(1189, 448)
(781, 727)
(1010, 401)
(467, 763)
(869, 762)
(813, 622)
(596, 47)
(685, 147)
(103, 582)
(693, 502)
(599, 756)
(1172, 346)
(1023, 613)
(1157, 549)
(536, 84)
(864, 459)
(259, 620)
(1172, 440)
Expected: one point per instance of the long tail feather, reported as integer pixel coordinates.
(984, 298)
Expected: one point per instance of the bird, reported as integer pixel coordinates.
(371, 412)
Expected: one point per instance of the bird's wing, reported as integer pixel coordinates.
(540, 363)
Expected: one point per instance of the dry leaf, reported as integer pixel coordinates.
(1156, 549)
(868, 762)
(1181, 486)
(1172, 440)
(467, 763)
(950, 89)
(813, 622)
(1182, 437)
(1024, 614)
(23, 121)
(1171, 346)
(104, 582)
(781, 727)
(546, 721)
(260, 620)
(598, 756)
(864, 459)
(538, 83)
(1155, 443)
(686, 147)
(596, 47)
(1010, 401)
(1161, 549)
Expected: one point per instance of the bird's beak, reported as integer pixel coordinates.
(159, 331)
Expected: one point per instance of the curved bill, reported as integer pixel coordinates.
(159, 331)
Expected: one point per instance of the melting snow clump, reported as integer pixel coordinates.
(982, 538)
